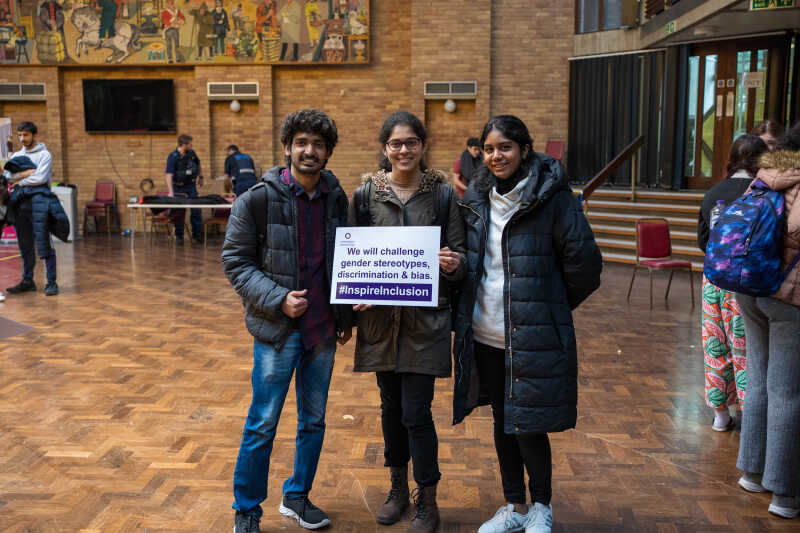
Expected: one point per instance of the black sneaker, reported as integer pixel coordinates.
(22, 286)
(198, 239)
(306, 513)
(51, 289)
(179, 241)
(245, 523)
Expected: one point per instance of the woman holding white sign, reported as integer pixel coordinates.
(531, 259)
(409, 347)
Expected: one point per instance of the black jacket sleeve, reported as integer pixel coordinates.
(242, 264)
(702, 231)
(576, 249)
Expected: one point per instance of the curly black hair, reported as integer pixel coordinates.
(309, 121)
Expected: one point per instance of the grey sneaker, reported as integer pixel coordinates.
(51, 289)
(506, 520)
(306, 513)
(785, 506)
(541, 520)
(245, 523)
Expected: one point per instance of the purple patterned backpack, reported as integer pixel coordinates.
(745, 246)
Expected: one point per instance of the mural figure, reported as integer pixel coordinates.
(124, 40)
(237, 14)
(51, 45)
(221, 28)
(172, 19)
(290, 17)
(205, 31)
(107, 18)
(313, 22)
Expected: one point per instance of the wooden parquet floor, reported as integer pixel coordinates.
(122, 412)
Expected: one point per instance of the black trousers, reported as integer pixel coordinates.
(408, 430)
(515, 453)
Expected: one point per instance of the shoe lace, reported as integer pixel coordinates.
(420, 505)
(396, 492)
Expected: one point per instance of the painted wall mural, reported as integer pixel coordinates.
(151, 32)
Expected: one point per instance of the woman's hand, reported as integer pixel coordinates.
(449, 260)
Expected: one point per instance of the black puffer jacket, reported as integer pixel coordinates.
(262, 273)
(551, 264)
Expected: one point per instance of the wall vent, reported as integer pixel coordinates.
(22, 91)
(451, 89)
(245, 90)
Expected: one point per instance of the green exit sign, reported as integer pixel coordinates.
(756, 5)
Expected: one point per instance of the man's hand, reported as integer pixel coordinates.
(345, 336)
(449, 260)
(362, 307)
(294, 305)
(200, 181)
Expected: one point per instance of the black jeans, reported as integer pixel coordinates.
(408, 429)
(515, 453)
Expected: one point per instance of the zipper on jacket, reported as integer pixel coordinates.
(510, 348)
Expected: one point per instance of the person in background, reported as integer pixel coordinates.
(29, 210)
(285, 289)
(183, 176)
(467, 165)
(722, 328)
(531, 260)
(240, 171)
(769, 131)
(769, 447)
(408, 347)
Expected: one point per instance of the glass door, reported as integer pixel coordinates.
(727, 97)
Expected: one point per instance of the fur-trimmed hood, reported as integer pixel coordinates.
(780, 169)
(380, 180)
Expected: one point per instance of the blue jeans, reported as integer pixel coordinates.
(272, 373)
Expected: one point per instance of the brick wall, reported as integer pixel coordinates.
(531, 41)
(515, 49)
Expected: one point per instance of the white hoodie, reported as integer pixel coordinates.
(44, 164)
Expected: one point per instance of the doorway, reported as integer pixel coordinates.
(731, 89)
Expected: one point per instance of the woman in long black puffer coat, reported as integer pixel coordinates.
(531, 259)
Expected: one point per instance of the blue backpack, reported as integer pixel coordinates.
(745, 247)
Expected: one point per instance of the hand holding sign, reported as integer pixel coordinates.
(449, 260)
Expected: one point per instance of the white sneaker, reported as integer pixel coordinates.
(2, 297)
(542, 519)
(724, 422)
(506, 520)
(785, 506)
(751, 482)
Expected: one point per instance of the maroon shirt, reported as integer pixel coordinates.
(317, 325)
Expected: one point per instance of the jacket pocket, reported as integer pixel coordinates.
(375, 324)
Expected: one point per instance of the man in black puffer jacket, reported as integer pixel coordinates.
(278, 255)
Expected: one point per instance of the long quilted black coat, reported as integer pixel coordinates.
(551, 264)
(262, 273)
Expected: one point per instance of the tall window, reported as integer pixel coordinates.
(597, 15)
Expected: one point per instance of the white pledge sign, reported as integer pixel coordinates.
(386, 266)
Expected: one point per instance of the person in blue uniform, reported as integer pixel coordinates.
(183, 176)
(240, 171)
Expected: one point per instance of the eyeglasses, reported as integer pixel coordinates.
(395, 145)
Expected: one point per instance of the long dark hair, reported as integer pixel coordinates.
(401, 118)
(773, 127)
(514, 129)
(744, 155)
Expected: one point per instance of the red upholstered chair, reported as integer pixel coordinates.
(555, 149)
(654, 252)
(103, 205)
